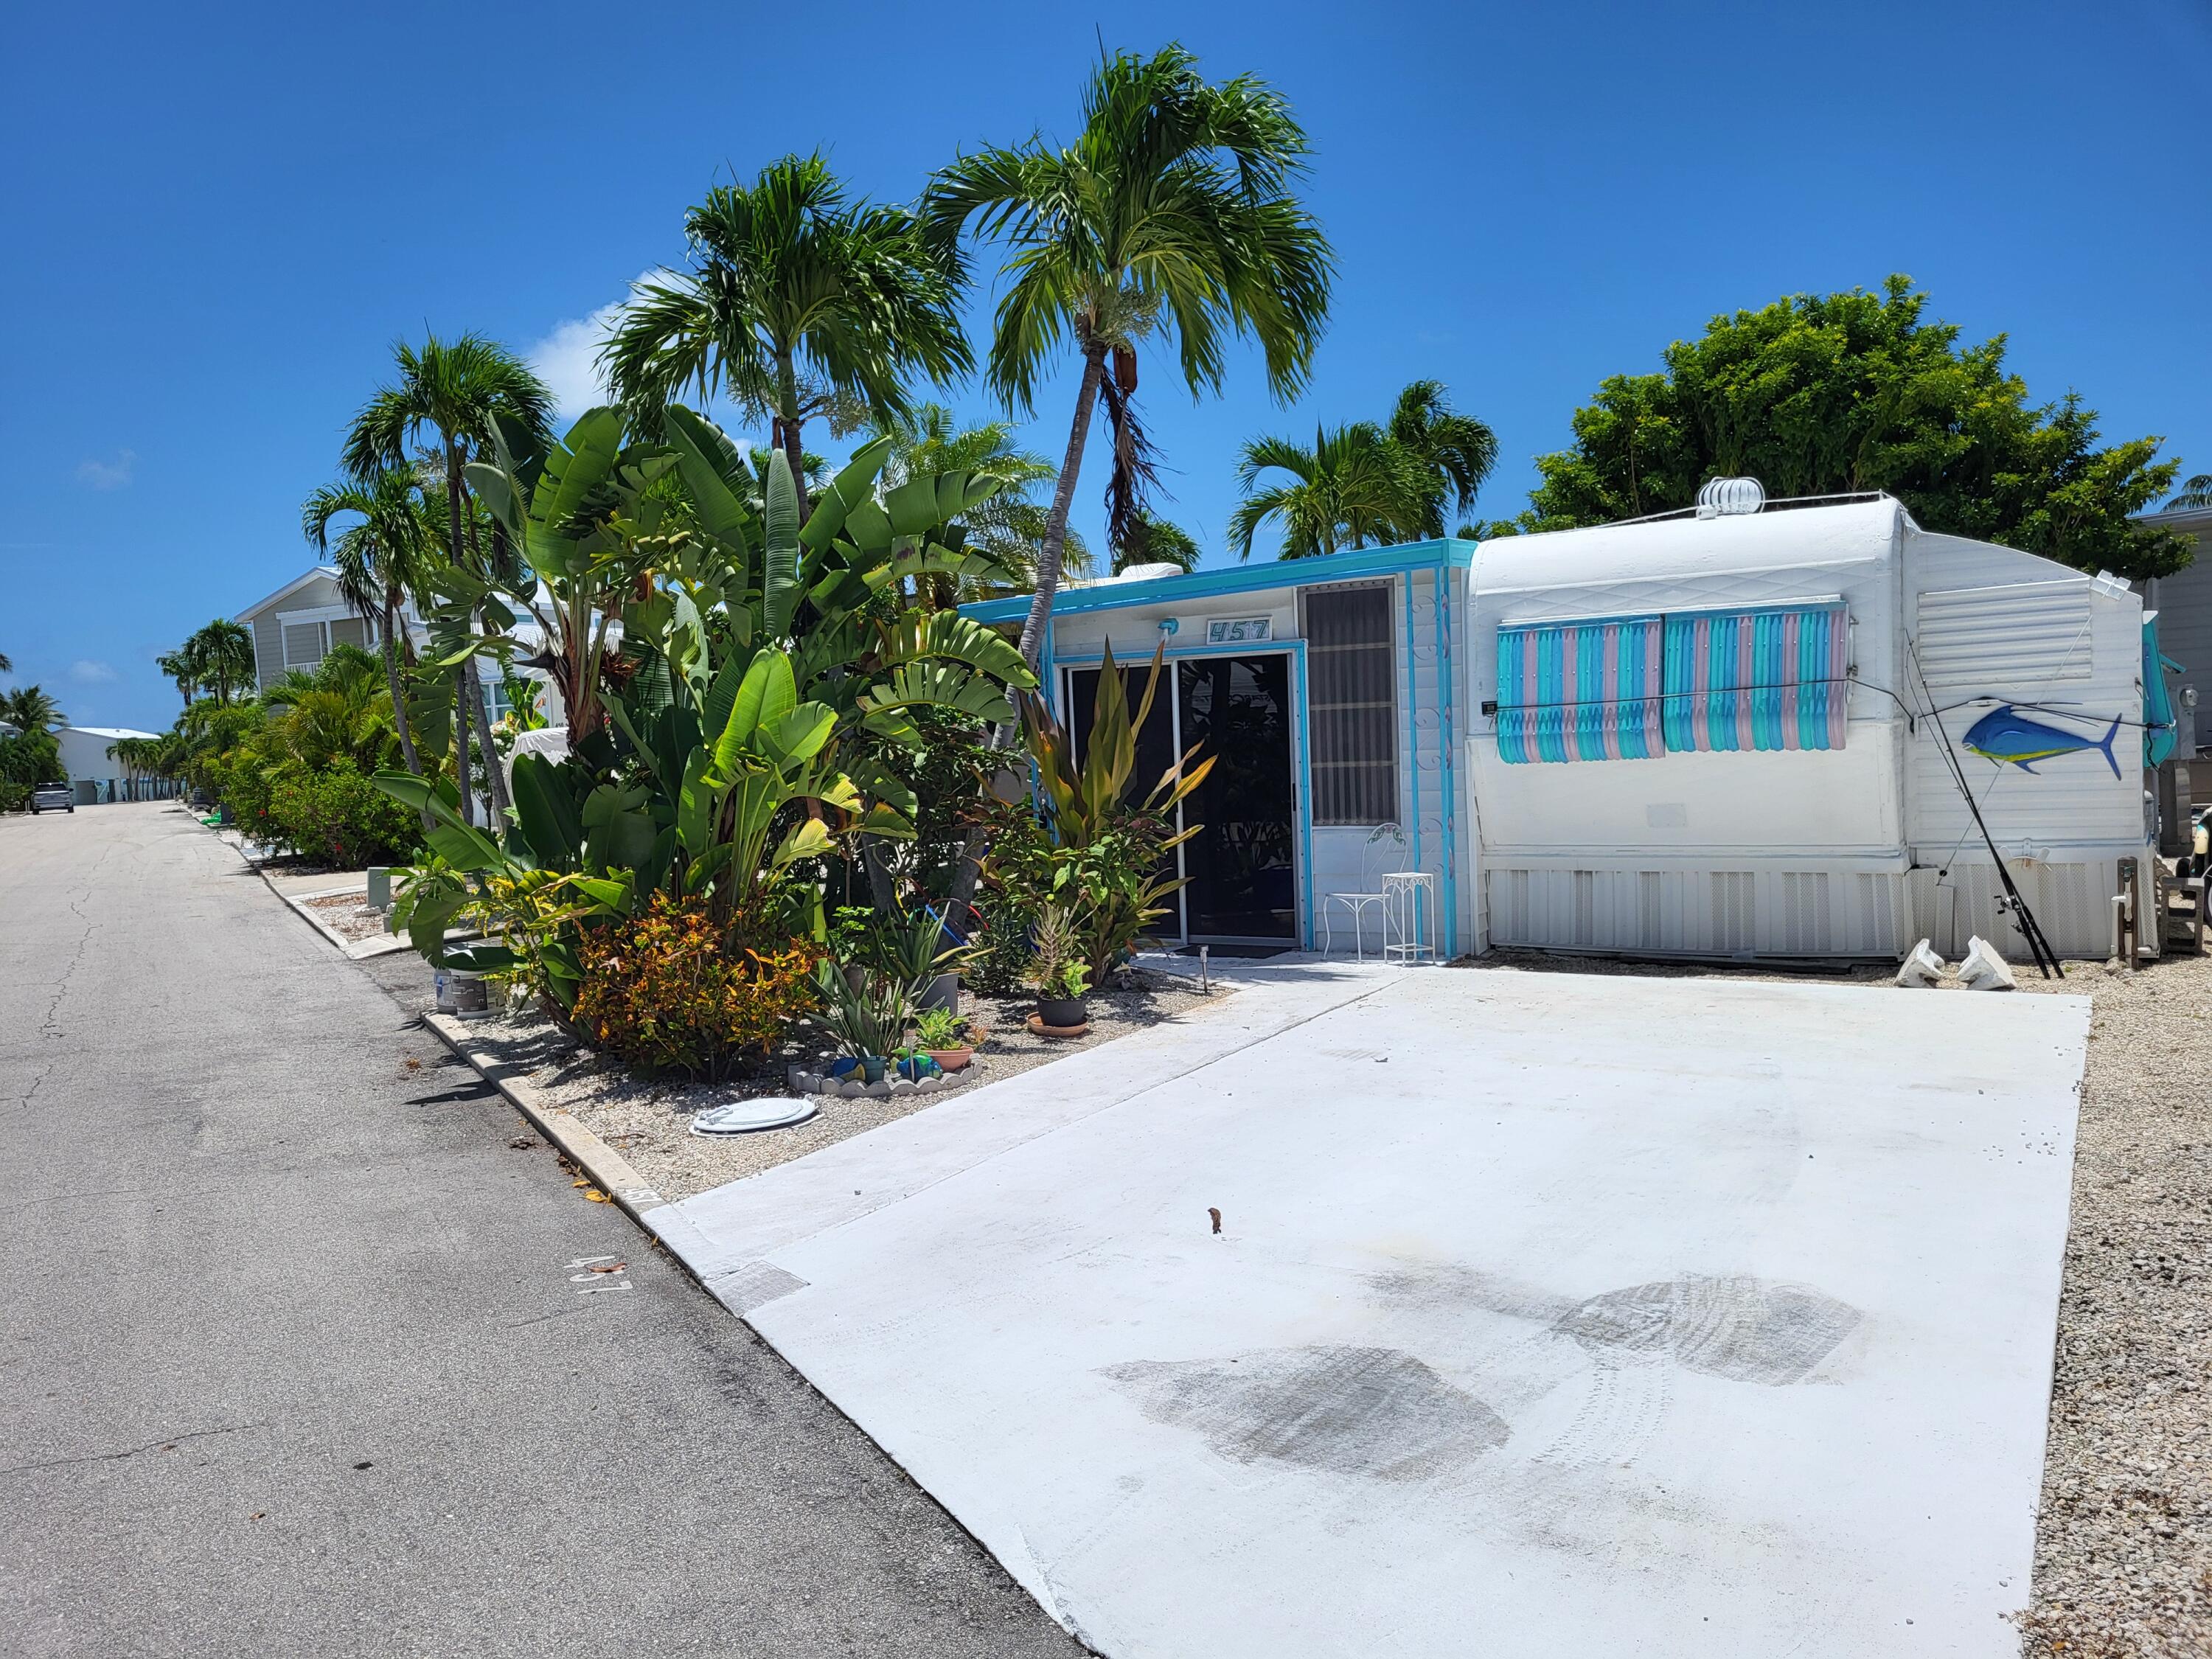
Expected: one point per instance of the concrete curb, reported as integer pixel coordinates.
(356, 950)
(606, 1168)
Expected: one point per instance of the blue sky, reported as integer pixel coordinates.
(216, 221)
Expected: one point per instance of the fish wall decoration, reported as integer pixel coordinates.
(2005, 735)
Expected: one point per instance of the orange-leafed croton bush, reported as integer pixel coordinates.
(670, 991)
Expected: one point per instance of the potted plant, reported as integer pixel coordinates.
(866, 1020)
(945, 1037)
(918, 949)
(1059, 974)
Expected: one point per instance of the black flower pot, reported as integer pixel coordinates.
(1062, 1012)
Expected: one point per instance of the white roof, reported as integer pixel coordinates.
(289, 589)
(1671, 549)
(110, 732)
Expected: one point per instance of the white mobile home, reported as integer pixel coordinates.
(1726, 735)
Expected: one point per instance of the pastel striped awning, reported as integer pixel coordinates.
(1631, 688)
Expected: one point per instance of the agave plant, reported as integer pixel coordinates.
(867, 1020)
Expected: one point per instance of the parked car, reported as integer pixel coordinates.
(53, 797)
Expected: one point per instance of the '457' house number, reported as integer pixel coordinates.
(1240, 630)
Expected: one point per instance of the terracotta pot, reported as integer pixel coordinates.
(952, 1060)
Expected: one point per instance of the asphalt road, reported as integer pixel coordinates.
(294, 1360)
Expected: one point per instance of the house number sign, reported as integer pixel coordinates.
(1240, 630)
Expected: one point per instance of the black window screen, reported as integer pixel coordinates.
(1352, 704)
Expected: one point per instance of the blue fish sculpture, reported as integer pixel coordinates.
(2006, 734)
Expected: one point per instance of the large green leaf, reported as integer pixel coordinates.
(920, 634)
(465, 848)
(780, 580)
(844, 494)
(940, 685)
(798, 737)
(545, 813)
(768, 693)
(578, 466)
(713, 470)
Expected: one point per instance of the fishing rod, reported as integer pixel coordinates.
(2047, 959)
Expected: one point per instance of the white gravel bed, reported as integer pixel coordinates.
(648, 1119)
(2123, 1536)
(348, 915)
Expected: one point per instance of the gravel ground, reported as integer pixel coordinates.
(2123, 1538)
(348, 915)
(648, 1119)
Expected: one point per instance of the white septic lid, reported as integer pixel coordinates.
(742, 1117)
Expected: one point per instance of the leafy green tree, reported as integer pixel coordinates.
(180, 667)
(1364, 483)
(1171, 211)
(460, 391)
(29, 709)
(1451, 454)
(1821, 394)
(1352, 488)
(798, 305)
(220, 656)
(383, 556)
(1151, 539)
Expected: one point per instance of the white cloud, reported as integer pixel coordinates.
(107, 475)
(567, 359)
(84, 671)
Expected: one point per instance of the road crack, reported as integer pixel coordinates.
(167, 1443)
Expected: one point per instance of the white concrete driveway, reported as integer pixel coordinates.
(1549, 1313)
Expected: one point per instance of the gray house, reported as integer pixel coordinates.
(296, 626)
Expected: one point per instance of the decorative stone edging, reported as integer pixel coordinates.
(818, 1083)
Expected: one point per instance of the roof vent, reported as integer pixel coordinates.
(1730, 497)
(1149, 573)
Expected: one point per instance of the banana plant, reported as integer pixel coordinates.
(586, 521)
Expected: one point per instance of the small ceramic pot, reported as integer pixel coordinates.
(1063, 1011)
(951, 1060)
(871, 1069)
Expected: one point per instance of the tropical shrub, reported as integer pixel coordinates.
(1000, 964)
(338, 815)
(667, 992)
(28, 758)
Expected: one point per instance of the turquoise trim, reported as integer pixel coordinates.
(1353, 566)
(1413, 738)
(1447, 747)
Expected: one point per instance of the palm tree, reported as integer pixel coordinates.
(796, 304)
(1452, 453)
(221, 658)
(1151, 539)
(2194, 492)
(1354, 487)
(1171, 212)
(458, 389)
(6, 666)
(28, 709)
(179, 665)
(382, 557)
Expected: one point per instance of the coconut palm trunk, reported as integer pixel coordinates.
(1063, 500)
